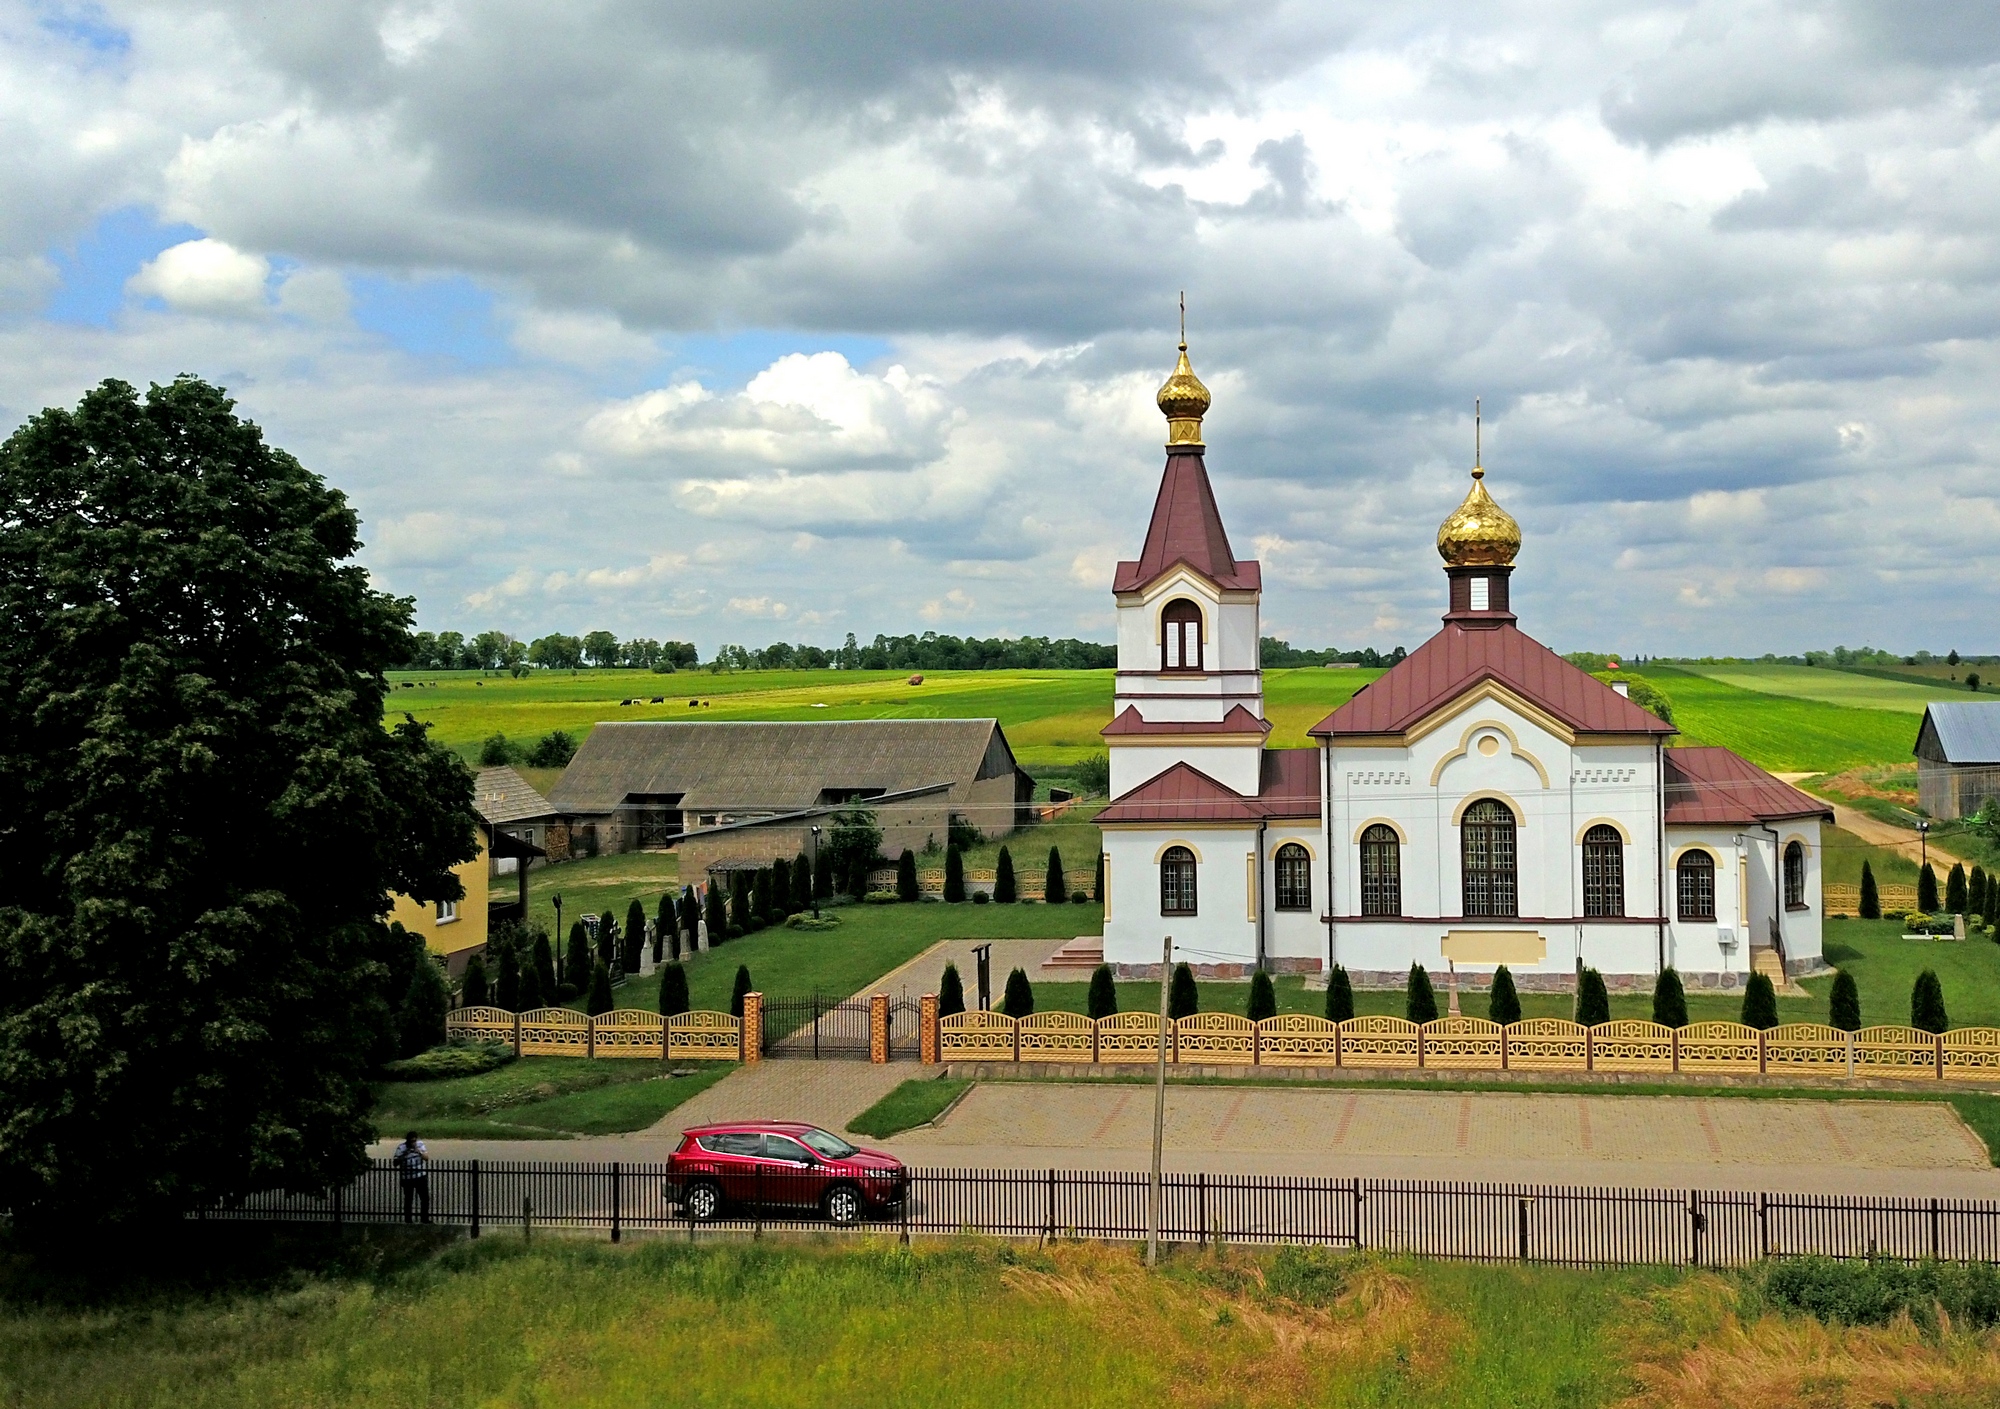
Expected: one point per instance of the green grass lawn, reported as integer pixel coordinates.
(1835, 687)
(912, 1104)
(1779, 732)
(540, 1098)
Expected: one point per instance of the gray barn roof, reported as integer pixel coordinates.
(1961, 733)
(502, 795)
(743, 767)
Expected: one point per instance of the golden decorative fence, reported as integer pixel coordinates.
(1128, 1037)
(1464, 1044)
(628, 1032)
(623, 1032)
(976, 1037)
(1547, 1044)
(481, 1025)
(1378, 1042)
(704, 1036)
(1294, 1040)
(1630, 1044)
(554, 1032)
(1813, 1049)
(1057, 1037)
(1846, 899)
(1727, 1048)
(1215, 1039)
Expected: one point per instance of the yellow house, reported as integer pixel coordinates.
(454, 928)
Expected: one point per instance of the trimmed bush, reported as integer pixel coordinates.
(906, 875)
(781, 889)
(980, 897)
(1055, 887)
(1097, 881)
(473, 992)
(507, 986)
(764, 898)
(823, 876)
(739, 900)
(453, 1060)
(600, 1000)
(716, 919)
(666, 928)
(951, 992)
(673, 991)
(1844, 1003)
(1670, 1000)
(1504, 1006)
(1079, 897)
(1263, 998)
(954, 875)
(1183, 999)
(1871, 899)
(544, 966)
(738, 990)
(802, 884)
(495, 752)
(1420, 1004)
(1003, 880)
(1992, 911)
(576, 962)
(1593, 1004)
(1927, 890)
(1103, 999)
(1954, 889)
(1975, 891)
(1760, 1003)
(1019, 999)
(607, 939)
(1339, 995)
(1927, 1003)
(635, 936)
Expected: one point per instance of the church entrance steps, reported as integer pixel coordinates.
(1084, 952)
(1764, 960)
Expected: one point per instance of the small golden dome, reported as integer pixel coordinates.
(1184, 401)
(1479, 532)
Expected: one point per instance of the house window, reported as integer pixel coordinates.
(1486, 855)
(1603, 872)
(1177, 881)
(1295, 885)
(447, 911)
(1381, 872)
(1795, 876)
(1694, 885)
(1180, 636)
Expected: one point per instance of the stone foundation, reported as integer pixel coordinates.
(1219, 972)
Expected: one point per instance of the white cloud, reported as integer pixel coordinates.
(955, 603)
(205, 276)
(588, 340)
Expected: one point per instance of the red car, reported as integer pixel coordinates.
(780, 1164)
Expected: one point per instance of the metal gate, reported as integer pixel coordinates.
(819, 1027)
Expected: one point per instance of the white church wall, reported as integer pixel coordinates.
(1237, 642)
(1220, 938)
(1234, 766)
(1805, 937)
(1196, 697)
(1721, 945)
(1295, 940)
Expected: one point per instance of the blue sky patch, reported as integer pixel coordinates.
(727, 361)
(84, 25)
(439, 317)
(95, 268)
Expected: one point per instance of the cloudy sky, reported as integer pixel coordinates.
(735, 321)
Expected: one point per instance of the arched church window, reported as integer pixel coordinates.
(1177, 881)
(1795, 876)
(1694, 885)
(1180, 636)
(1487, 860)
(1381, 872)
(1603, 872)
(1295, 886)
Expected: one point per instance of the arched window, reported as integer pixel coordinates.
(1381, 872)
(1486, 855)
(1694, 885)
(1177, 881)
(1295, 877)
(1603, 872)
(1180, 636)
(1795, 876)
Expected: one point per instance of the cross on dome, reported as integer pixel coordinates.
(1479, 533)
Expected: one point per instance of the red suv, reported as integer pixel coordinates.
(779, 1163)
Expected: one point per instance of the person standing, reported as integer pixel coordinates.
(412, 1163)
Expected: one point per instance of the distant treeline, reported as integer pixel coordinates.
(1275, 654)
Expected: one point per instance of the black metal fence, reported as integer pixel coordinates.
(820, 1027)
(1487, 1222)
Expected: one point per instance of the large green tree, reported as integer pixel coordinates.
(205, 814)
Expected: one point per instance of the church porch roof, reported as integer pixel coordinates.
(1713, 787)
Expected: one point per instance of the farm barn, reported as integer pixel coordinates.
(1958, 758)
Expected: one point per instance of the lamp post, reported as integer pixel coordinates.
(556, 900)
(1924, 840)
(815, 874)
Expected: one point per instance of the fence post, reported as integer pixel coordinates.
(1848, 1043)
(878, 1029)
(909, 1193)
(757, 1232)
(1201, 1203)
(590, 1037)
(1695, 1221)
(1503, 1047)
(339, 1206)
(1051, 1237)
(1590, 1050)
(1763, 1225)
(1358, 1243)
(1940, 1056)
(1257, 1043)
(1095, 1025)
(1934, 1230)
(1016, 1039)
(1336, 1044)
(475, 1198)
(517, 1033)
(527, 1219)
(1420, 1045)
(1677, 1051)
(750, 1032)
(1524, 1230)
(1763, 1048)
(617, 1186)
(927, 1032)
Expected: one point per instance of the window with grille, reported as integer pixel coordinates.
(1295, 886)
(1795, 876)
(1694, 884)
(1180, 636)
(1177, 881)
(1381, 872)
(1486, 857)
(1603, 872)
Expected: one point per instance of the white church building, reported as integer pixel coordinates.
(1482, 802)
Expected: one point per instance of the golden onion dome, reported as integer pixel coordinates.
(1184, 401)
(1479, 532)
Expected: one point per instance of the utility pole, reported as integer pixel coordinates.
(1159, 1114)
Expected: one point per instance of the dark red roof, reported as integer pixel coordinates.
(1238, 721)
(1187, 528)
(1714, 787)
(1460, 657)
(1288, 787)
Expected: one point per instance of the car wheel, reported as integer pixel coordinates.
(702, 1202)
(843, 1205)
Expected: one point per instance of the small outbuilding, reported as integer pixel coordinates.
(1958, 757)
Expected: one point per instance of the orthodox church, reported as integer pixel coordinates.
(1483, 802)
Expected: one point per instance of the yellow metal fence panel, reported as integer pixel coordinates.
(629, 1032)
(1297, 1040)
(1216, 1039)
(554, 1032)
(1055, 1037)
(1842, 899)
(1129, 1037)
(480, 1024)
(1632, 1044)
(1811, 1049)
(1378, 1042)
(1547, 1044)
(1719, 1047)
(704, 1036)
(1895, 1051)
(976, 1037)
(1465, 1044)
(1972, 1054)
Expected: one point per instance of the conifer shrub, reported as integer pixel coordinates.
(507, 984)
(1183, 998)
(1760, 1003)
(954, 875)
(1871, 900)
(739, 901)
(981, 897)
(760, 898)
(1927, 890)
(716, 919)
(1420, 1004)
(599, 1000)
(1975, 891)
(690, 920)
(906, 875)
(1019, 999)
(781, 889)
(1927, 1003)
(1954, 889)
(673, 991)
(738, 990)
(576, 962)
(544, 966)
(666, 928)
(1103, 998)
(1992, 910)
(1504, 1004)
(823, 876)
(1844, 1003)
(1055, 888)
(951, 992)
(473, 990)
(607, 939)
(1003, 880)
(1339, 995)
(802, 884)
(635, 936)
(1097, 881)
(1593, 1002)
(1670, 1000)
(1263, 998)
(1079, 897)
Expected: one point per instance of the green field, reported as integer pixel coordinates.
(1779, 732)
(539, 1098)
(1835, 687)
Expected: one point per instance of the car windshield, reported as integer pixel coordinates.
(831, 1146)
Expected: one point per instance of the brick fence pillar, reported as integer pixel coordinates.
(751, 1031)
(927, 1029)
(878, 1028)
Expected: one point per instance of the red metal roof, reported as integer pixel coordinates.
(1714, 787)
(1238, 721)
(1288, 787)
(1187, 528)
(1460, 657)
